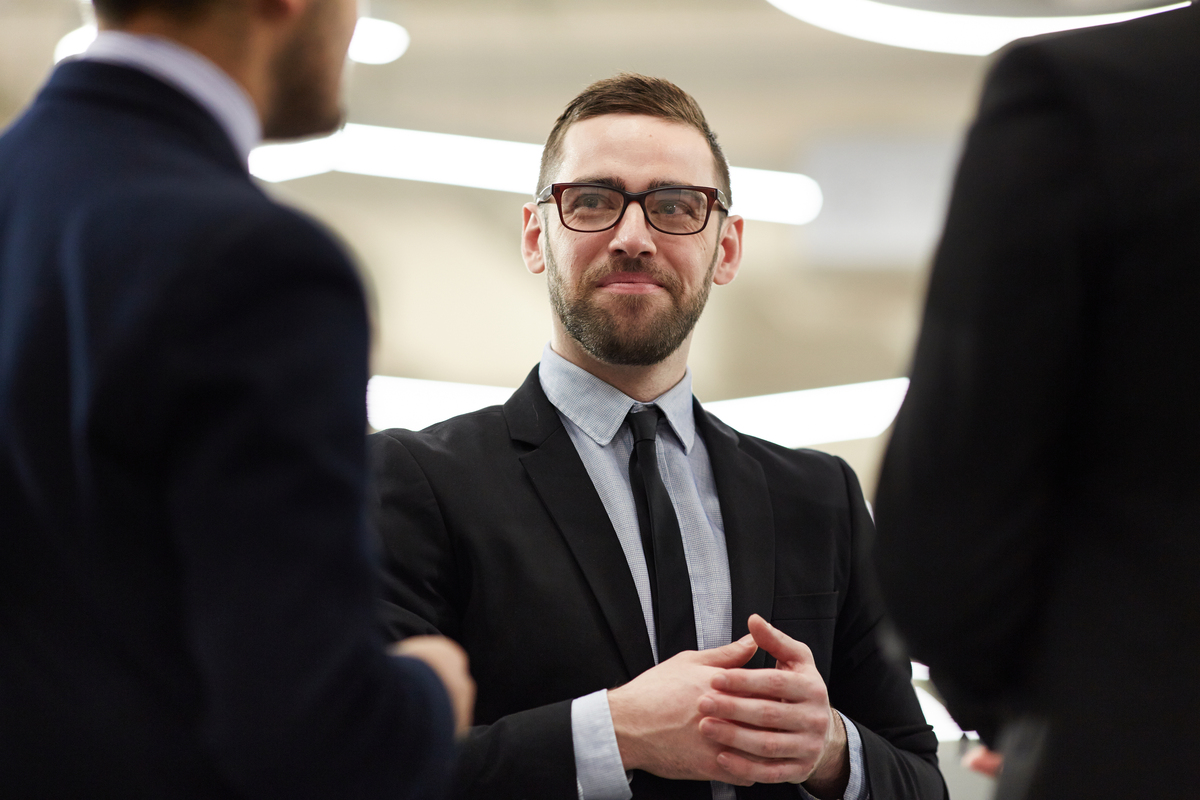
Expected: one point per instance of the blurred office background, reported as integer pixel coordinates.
(831, 302)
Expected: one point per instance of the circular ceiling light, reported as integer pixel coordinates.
(936, 31)
(378, 41)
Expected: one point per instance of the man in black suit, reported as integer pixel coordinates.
(1039, 501)
(609, 590)
(186, 600)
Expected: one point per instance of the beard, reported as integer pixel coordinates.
(633, 332)
(307, 75)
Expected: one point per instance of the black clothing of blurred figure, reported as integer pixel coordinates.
(1039, 542)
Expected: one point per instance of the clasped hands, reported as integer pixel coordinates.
(699, 716)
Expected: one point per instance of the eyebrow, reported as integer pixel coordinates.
(618, 183)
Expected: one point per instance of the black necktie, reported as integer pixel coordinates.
(670, 589)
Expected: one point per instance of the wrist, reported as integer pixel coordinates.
(829, 779)
(624, 719)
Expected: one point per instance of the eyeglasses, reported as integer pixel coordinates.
(592, 207)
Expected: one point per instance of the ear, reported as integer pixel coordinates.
(531, 239)
(730, 244)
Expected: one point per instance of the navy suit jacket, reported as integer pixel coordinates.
(185, 584)
(1039, 507)
(496, 536)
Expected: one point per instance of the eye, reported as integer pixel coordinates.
(590, 199)
(678, 203)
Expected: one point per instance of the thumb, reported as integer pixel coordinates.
(734, 654)
(785, 649)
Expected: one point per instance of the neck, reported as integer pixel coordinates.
(223, 36)
(642, 383)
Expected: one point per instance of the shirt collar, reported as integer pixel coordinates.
(190, 73)
(599, 408)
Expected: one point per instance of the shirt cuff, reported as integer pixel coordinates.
(856, 789)
(599, 773)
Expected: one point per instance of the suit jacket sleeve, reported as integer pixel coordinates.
(264, 364)
(970, 481)
(899, 749)
(529, 754)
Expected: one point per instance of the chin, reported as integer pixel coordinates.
(293, 124)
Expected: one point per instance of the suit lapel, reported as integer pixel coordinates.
(749, 524)
(566, 490)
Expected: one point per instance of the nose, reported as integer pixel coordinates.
(633, 236)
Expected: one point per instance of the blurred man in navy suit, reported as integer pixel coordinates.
(185, 584)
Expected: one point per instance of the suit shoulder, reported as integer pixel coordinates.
(304, 237)
(235, 229)
(232, 210)
(1152, 44)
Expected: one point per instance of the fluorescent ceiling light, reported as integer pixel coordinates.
(416, 404)
(74, 42)
(965, 34)
(816, 416)
(495, 164)
(791, 419)
(771, 196)
(378, 41)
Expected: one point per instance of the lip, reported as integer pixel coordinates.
(629, 283)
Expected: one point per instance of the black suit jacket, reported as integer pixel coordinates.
(1038, 510)
(186, 601)
(495, 535)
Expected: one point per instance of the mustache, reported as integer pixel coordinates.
(618, 263)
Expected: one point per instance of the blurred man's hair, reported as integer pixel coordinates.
(118, 11)
(632, 94)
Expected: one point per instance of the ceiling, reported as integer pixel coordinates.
(834, 302)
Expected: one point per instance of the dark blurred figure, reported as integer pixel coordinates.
(185, 589)
(1039, 508)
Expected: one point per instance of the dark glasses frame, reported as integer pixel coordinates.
(555, 191)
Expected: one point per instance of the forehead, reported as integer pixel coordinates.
(636, 150)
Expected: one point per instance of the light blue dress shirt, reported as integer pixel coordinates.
(190, 73)
(593, 412)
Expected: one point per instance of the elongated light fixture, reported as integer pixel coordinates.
(495, 164)
(965, 34)
(416, 404)
(791, 419)
(816, 416)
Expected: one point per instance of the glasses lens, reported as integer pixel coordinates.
(677, 210)
(590, 208)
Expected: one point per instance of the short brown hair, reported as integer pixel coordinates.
(119, 11)
(629, 93)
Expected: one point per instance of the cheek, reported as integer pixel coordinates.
(691, 263)
(574, 254)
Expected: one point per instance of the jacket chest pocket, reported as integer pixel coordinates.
(809, 618)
